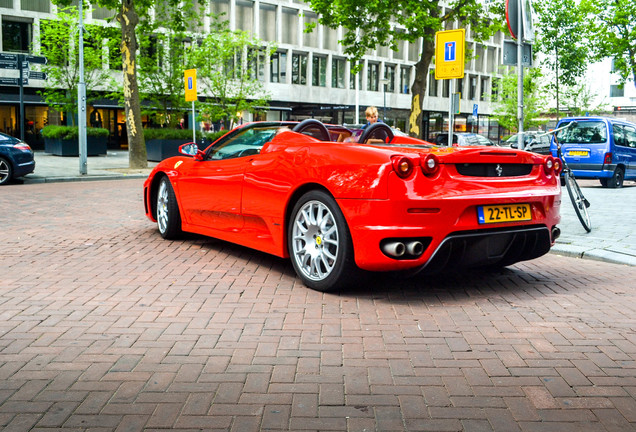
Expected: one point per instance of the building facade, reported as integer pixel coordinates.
(308, 75)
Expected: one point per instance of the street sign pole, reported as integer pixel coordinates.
(450, 112)
(520, 141)
(21, 82)
(81, 98)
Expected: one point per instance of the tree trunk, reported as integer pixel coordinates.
(128, 19)
(419, 87)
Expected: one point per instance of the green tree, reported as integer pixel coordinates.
(386, 22)
(563, 40)
(613, 33)
(228, 64)
(506, 104)
(129, 14)
(579, 99)
(60, 49)
(161, 68)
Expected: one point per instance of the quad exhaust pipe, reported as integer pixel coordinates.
(397, 249)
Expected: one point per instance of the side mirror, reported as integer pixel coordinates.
(191, 149)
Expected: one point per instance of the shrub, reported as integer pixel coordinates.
(71, 132)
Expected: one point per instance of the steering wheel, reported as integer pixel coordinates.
(378, 131)
(314, 128)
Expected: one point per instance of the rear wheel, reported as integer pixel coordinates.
(617, 179)
(168, 217)
(578, 201)
(319, 242)
(6, 171)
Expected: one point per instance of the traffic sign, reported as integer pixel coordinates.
(509, 50)
(190, 78)
(9, 57)
(512, 19)
(9, 81)
(475, 110)
(37, 75)
(36, 59)
(8, 64)
(449, 54)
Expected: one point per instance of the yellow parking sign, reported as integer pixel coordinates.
(449, 54)
(190, 77)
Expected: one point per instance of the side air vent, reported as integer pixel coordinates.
(493, 169)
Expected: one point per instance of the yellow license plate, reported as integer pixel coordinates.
(578, 153)
(503, 213)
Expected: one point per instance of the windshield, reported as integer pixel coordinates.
(584, 132)
(246, 142)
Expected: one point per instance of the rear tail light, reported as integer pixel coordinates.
(402, 165)
(548, 165)
(558, 166)
(608, 158)
(430, 164)
(22, 146)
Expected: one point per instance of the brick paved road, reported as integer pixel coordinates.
(106, 327)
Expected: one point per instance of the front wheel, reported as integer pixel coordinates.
(319, 242)
(578, 201)
(168, 217)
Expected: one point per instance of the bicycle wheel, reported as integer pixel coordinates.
(578, 201)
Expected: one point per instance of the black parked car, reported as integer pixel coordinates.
(532, 141)
(16, 158)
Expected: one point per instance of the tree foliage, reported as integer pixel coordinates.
(386, 22)
(60, 48)
(227, 64)
(506, 103)
(563, 41)
(613, 33)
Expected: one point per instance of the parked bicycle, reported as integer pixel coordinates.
(579, 202)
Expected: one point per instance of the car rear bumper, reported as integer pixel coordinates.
(592, 171)
(448, 228)
(24, 168)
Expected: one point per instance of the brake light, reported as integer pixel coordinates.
(558, 166)
(22, 146)
(430, 164)
(608, 158)
(402, 165)
(548, 165)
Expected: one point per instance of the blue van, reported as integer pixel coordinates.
(601, 148)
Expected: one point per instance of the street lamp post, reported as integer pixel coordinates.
(384, 82)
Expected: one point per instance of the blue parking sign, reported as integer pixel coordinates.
(475, 107)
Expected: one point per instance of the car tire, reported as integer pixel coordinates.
(6, 171)
(617, 179)
(168, 217)
(319, 243)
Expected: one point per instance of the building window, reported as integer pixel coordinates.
(617, 91)
(405, 80)
(460, 87)
(373, 78)
(245, 15)
(290, 26)
(256, 64)
(337, 73)
(36, 5)
(432, 85)
(299, 69)
(310, 39)
(472, 91)
(319, 71)
(267, 22)
(484, 87)
(278, 67)
(389, 74)
(16, 36)
(352, 78)
(446, 88)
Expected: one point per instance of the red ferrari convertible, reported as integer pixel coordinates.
(384, 203)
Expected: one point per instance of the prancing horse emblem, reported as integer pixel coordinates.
(499, 170)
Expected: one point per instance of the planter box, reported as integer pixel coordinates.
(160, 149)
(95, 146)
